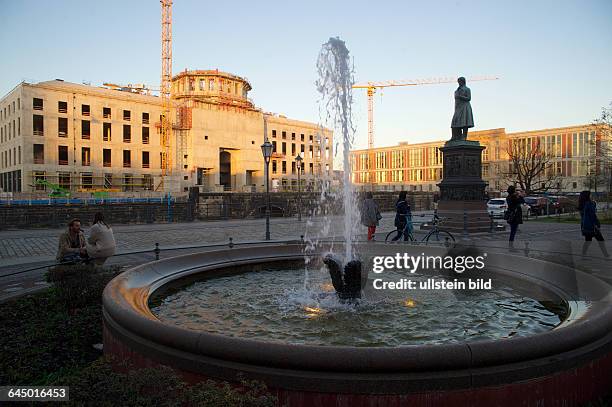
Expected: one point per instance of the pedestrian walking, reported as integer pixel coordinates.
(370, 215)
(403, 215)
(514, 213)
(589, 223)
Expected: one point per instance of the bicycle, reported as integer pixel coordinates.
(435, 233)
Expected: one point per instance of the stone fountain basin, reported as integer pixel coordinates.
(575, 357)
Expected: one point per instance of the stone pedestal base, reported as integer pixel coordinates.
(462, 190)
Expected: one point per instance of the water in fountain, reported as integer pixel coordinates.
(335, 86)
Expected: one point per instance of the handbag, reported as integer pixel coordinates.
(378, 215)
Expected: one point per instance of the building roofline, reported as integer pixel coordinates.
(214, 72)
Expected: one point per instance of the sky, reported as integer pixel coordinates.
(554, 58)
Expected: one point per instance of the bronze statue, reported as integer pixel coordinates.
(463, 118)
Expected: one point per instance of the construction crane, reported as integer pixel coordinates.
(165, 89)
(371, 88)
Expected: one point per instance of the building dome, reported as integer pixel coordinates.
(212, 86)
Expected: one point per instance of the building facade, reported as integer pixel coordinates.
(80, 138)
(574, 153)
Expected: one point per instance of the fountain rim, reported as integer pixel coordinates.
(126, 312)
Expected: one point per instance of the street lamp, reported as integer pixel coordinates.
(266, 150)
(298, 164)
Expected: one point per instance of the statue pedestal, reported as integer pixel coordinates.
(462, 189)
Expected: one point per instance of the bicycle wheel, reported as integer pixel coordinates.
(441, 236)
(391, 235)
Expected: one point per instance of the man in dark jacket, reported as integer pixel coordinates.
(514, 213)
(402, 216)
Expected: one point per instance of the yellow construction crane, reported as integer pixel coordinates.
(372, 86)
(165, 89)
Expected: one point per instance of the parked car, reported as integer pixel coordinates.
(497, 207)
(537, 205)
(562, 204)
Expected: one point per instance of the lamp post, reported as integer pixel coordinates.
(298, 164)
(266, 150)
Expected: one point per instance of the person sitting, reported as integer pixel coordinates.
(71, 248)
(101, 242)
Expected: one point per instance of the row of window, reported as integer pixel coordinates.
(62, 129)
(10, 157)
(125, 182)
(7, 111)
(10, 130)
(283, 165)
(294, 149)
(62, 107)
(223, 86)
(293, 136)
(62, 156)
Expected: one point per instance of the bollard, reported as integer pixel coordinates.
(231, 242)
(526, 248)
(492, 224)
(156, 251)
(302, 238)
(465, 230)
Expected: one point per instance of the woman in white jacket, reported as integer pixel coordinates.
(101, 241)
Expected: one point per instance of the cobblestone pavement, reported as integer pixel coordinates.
(25, 249)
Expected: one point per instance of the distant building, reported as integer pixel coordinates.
(90, 139)
(418, 167)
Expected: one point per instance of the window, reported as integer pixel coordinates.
(145, 159)
(301, 137)
(86, 180)
(37, 104)
(274, 167)
(127, 115)
(85, 110)
(273, 133)
(37, 125)
(18, 103)
(284, 167)
(19, 126)
(62, 107)
(64, 179)
(108, 181)
(145, 118)
(293, 149)
(62, 155)
(284, 148)
(39, 177)
(211, 84)
(106, 157)
(39, 153)
(147, 182)
(127, 133)
(128, 182)
(284, 134)
(85, 129)
(293, 167)
(127, 159)
(106, 132)
(145, 135)
(311, 167)
(274, 146)
(292, 136)
(201, 84)
(85, 156)
(106, 112)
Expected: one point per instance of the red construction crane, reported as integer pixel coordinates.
(372, 86)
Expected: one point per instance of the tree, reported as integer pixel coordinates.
(600, 171)
(532, 168)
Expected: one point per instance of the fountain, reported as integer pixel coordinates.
(544, 333)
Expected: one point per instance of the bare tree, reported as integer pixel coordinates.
(531, 168)
(600, 171)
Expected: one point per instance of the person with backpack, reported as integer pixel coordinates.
(514, 213)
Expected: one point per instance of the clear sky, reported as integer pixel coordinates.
(554, 57)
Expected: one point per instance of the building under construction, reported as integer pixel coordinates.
(60, 136)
